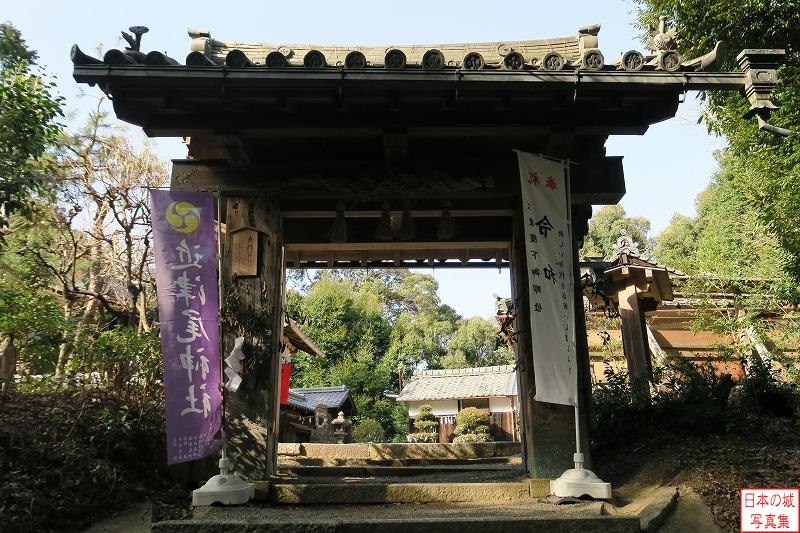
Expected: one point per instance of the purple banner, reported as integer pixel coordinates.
(186, 277)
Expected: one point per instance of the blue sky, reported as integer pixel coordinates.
(664, 169)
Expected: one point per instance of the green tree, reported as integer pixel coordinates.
(605, 228)
(420, 340)
(347, 320)
(32, 324)
(13, 47)
(762, 169)
(474, 343)
(726, 239)
(426, 426)
(343, 318)
(676, 245)
(28, 124)
(369, 430)
(372, 326)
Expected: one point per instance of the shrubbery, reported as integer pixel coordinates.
(692, 399)
(426, 425)
(423, 437)
(369, 430)
(472, 425)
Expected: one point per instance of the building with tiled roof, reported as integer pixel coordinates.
(461, 383)
(296, 418)
(336, 398)
(491, 388)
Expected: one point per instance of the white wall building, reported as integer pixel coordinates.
(492, 388)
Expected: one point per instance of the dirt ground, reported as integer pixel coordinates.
(714, 467)
(68, 460)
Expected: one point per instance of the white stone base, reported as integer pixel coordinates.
(580, 482)
(227, 489)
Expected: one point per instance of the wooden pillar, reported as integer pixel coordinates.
(252, 306)
(547, 430)
(634, 343)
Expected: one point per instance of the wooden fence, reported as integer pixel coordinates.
(503, 427)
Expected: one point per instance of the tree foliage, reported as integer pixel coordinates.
(426, 426)
(369, 430)
(726, 238)
(13, 48)
(606, 226)
(28, 124)
(472, 425)
(474, 343)
(744, 241)
(761, 170)
(377, 325)
(81, 257)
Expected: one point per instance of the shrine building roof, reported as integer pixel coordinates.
(373, 135)
(507, 92)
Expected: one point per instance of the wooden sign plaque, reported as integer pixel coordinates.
(245, 252)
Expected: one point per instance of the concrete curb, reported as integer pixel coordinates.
(661, 505)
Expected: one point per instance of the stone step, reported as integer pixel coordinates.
(531, 516)
(291, 462)
(382, 493)
(393, 471)
(400, 450)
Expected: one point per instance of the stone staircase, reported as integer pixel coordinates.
(404, 488)
(421, 465)
(314, 474)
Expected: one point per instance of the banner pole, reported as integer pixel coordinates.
(577, 482)
(578, 457)
(220, 293)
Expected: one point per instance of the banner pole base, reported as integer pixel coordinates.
(578, 482)
(224, 488)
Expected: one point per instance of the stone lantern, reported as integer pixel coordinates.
(635, 286)
(340, 427)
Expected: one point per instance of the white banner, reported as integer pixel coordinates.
(548, 246)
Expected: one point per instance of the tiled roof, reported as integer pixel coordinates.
(310, 398)
(452, 55)
(483, 382)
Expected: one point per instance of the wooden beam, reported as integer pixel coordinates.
(395, 146)
(110, 76)
(395, 245)
(237, 153)
(595, 181)
(390, 263)
(430, 213)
